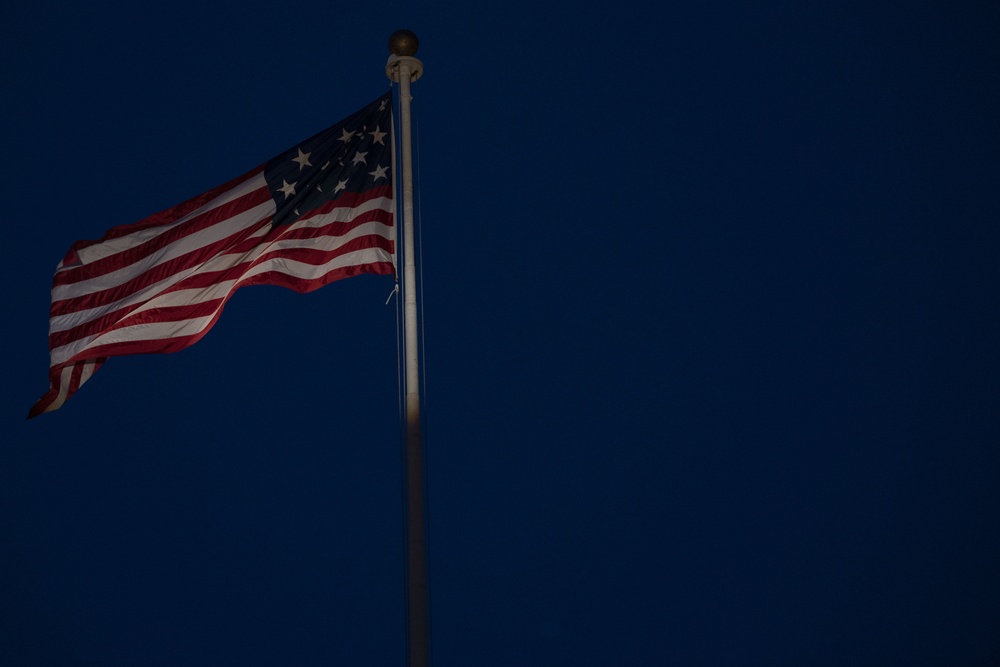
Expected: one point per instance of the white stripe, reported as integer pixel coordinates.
(64, 378)
(182, 246)
(218, 263)
(345, 214)
(311, 272)
(88, 370)
(60, 355)
(156, 330)
(328, 243)
(116, 245)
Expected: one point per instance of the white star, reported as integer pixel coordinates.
(379, 136)
(287, 188)
(346, 136)
(381, 107)
(342, 185)
(379, 172)
(360, 157)
(302, 159)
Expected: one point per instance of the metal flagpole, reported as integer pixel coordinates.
(403, 68)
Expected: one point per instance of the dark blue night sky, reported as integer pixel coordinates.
(710, 333)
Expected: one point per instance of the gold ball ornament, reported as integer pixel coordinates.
(403, 43)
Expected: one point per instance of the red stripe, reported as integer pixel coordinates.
(132, 255)
(301, 285)
(167, 314)
(169, 215)
(154, 275)
(354, 199)
(154, 346)
(49, 398)
(318, 257)
(337, 227)
(45, 401)
(74, 378)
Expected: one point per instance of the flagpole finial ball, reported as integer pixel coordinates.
(403, 43)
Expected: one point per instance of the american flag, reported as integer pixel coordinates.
(316, 213)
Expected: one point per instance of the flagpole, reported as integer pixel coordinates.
(403, 69)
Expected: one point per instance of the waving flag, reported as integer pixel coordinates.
(318, 212)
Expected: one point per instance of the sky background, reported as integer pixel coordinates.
(710, 313)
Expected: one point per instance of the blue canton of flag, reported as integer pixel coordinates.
(352, 156)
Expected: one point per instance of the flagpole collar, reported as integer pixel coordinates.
(415, 67)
